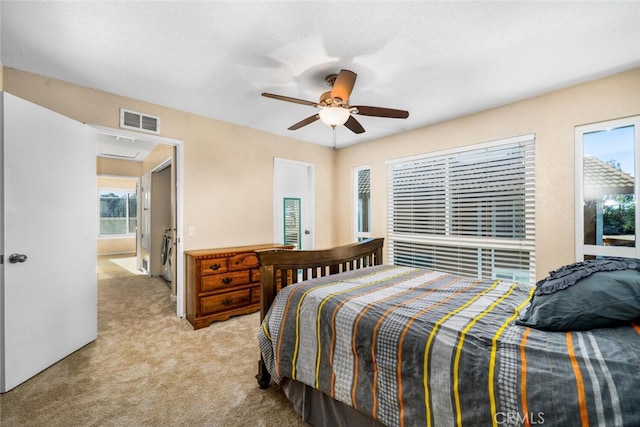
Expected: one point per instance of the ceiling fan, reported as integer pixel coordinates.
(334, 105)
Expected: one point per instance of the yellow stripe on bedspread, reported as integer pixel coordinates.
(432, 336)
(404, 334)
(448, 354)
(368, 288)
(456, 363)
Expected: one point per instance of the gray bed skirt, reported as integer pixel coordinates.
(318, 409)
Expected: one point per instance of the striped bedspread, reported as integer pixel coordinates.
(415, 347)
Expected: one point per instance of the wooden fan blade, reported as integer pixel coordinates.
(381, 112)
(289, 99)
(304, 122)
(343, 85)
(353, 125)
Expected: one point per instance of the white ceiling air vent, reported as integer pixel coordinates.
(138, 121)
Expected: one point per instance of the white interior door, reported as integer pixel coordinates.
(294, 180)
(49, 301)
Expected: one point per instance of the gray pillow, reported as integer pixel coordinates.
(600, 300)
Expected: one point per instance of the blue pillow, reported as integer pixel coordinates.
(600, 300)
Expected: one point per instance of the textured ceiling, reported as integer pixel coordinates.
(438, 60)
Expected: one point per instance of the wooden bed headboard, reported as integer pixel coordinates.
(279, 268)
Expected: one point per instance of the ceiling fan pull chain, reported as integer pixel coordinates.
(334, 137)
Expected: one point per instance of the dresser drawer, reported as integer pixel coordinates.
(223, 282)
(213, 266)
(226, 301)
(243, 261)
(216, 282)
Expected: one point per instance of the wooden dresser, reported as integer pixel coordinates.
(223, 282)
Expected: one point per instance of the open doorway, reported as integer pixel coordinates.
(293, 192)
(136, 222)
(159, 200)
(161, 217)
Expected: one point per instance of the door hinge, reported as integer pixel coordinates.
(1, 259)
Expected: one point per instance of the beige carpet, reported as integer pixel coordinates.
(149, 368)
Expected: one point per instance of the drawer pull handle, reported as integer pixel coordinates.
(227, 280)
(227, 301)
(214, 267)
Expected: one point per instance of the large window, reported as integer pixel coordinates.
(468, 211)
(606, 182)
(362, 186)
(118, 212)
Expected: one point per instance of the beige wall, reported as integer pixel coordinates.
(116, 246)
(157, 156)
(228, 169)
(552, 118)
(106, 166)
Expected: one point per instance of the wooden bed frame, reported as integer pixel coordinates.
(280, 268)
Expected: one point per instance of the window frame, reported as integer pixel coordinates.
(357, 220)
(128, 191)
(598, 250)
(427, 237)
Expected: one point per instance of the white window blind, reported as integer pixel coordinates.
(468, 211)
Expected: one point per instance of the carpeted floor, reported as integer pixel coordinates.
(149, 368)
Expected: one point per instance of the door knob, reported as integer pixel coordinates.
(13, 258)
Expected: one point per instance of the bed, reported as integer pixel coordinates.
(356, 342)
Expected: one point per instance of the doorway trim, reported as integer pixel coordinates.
(167, 163)
(179, 172)
(280, 168)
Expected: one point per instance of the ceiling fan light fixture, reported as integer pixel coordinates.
(334, 116)
(334, 105)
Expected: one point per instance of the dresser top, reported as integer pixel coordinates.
(236, 249)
